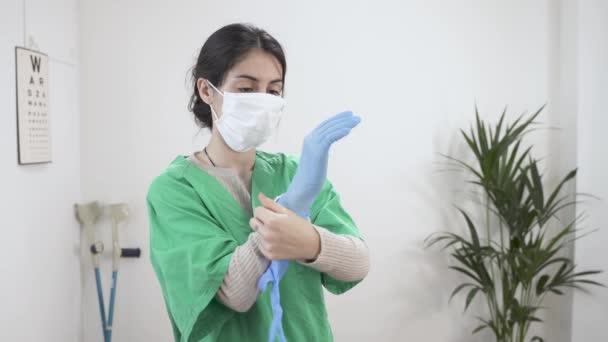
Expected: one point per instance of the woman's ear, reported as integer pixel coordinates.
(204, 90)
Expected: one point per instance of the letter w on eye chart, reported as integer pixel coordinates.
(32, 71)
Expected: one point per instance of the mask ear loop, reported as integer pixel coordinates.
(215, 117)
(219, 92)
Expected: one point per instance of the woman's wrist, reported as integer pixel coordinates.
(314, 245)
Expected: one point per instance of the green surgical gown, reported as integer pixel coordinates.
(195, 226)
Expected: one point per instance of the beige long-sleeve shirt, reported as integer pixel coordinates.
(342, 257)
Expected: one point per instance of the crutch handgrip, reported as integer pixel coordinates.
(130, 252)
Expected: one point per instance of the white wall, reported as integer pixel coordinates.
(411, 69)
(40, 269)
(590, 312)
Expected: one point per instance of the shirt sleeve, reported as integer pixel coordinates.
(190, 254)
(239, 290)
(342, 257)
(327, 212)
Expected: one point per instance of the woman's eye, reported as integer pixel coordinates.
(274, 92)
(246, 90)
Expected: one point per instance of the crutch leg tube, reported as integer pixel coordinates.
(119, 213)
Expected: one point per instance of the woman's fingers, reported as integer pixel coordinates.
(255, 224)
(334, 136)
(264, 215)
(333, 118)
(339, 132)
(271, 205)
(345, 121)
(333, 129)
(263, 245)
(268, 242)
(270, 213)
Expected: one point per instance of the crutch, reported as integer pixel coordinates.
(87, 214)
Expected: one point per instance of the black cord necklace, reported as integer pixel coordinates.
(207, 154)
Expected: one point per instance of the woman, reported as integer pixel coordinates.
(217, 240)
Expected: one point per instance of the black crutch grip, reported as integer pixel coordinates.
(130, 252)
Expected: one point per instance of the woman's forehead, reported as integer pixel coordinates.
(259, 65)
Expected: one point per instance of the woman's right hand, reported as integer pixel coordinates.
(312, 169)
(283, 234)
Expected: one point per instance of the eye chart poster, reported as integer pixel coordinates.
(33, 136)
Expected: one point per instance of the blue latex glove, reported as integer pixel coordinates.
(304, 188)
(312, 169)
(273, 275)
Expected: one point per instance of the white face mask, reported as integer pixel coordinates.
(248, 119)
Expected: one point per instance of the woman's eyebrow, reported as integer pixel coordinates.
(249, 77)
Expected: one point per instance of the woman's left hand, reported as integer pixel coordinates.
(284, 235)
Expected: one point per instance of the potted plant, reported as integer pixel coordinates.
(511, 259)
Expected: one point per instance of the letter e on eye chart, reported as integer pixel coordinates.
(33, 138)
